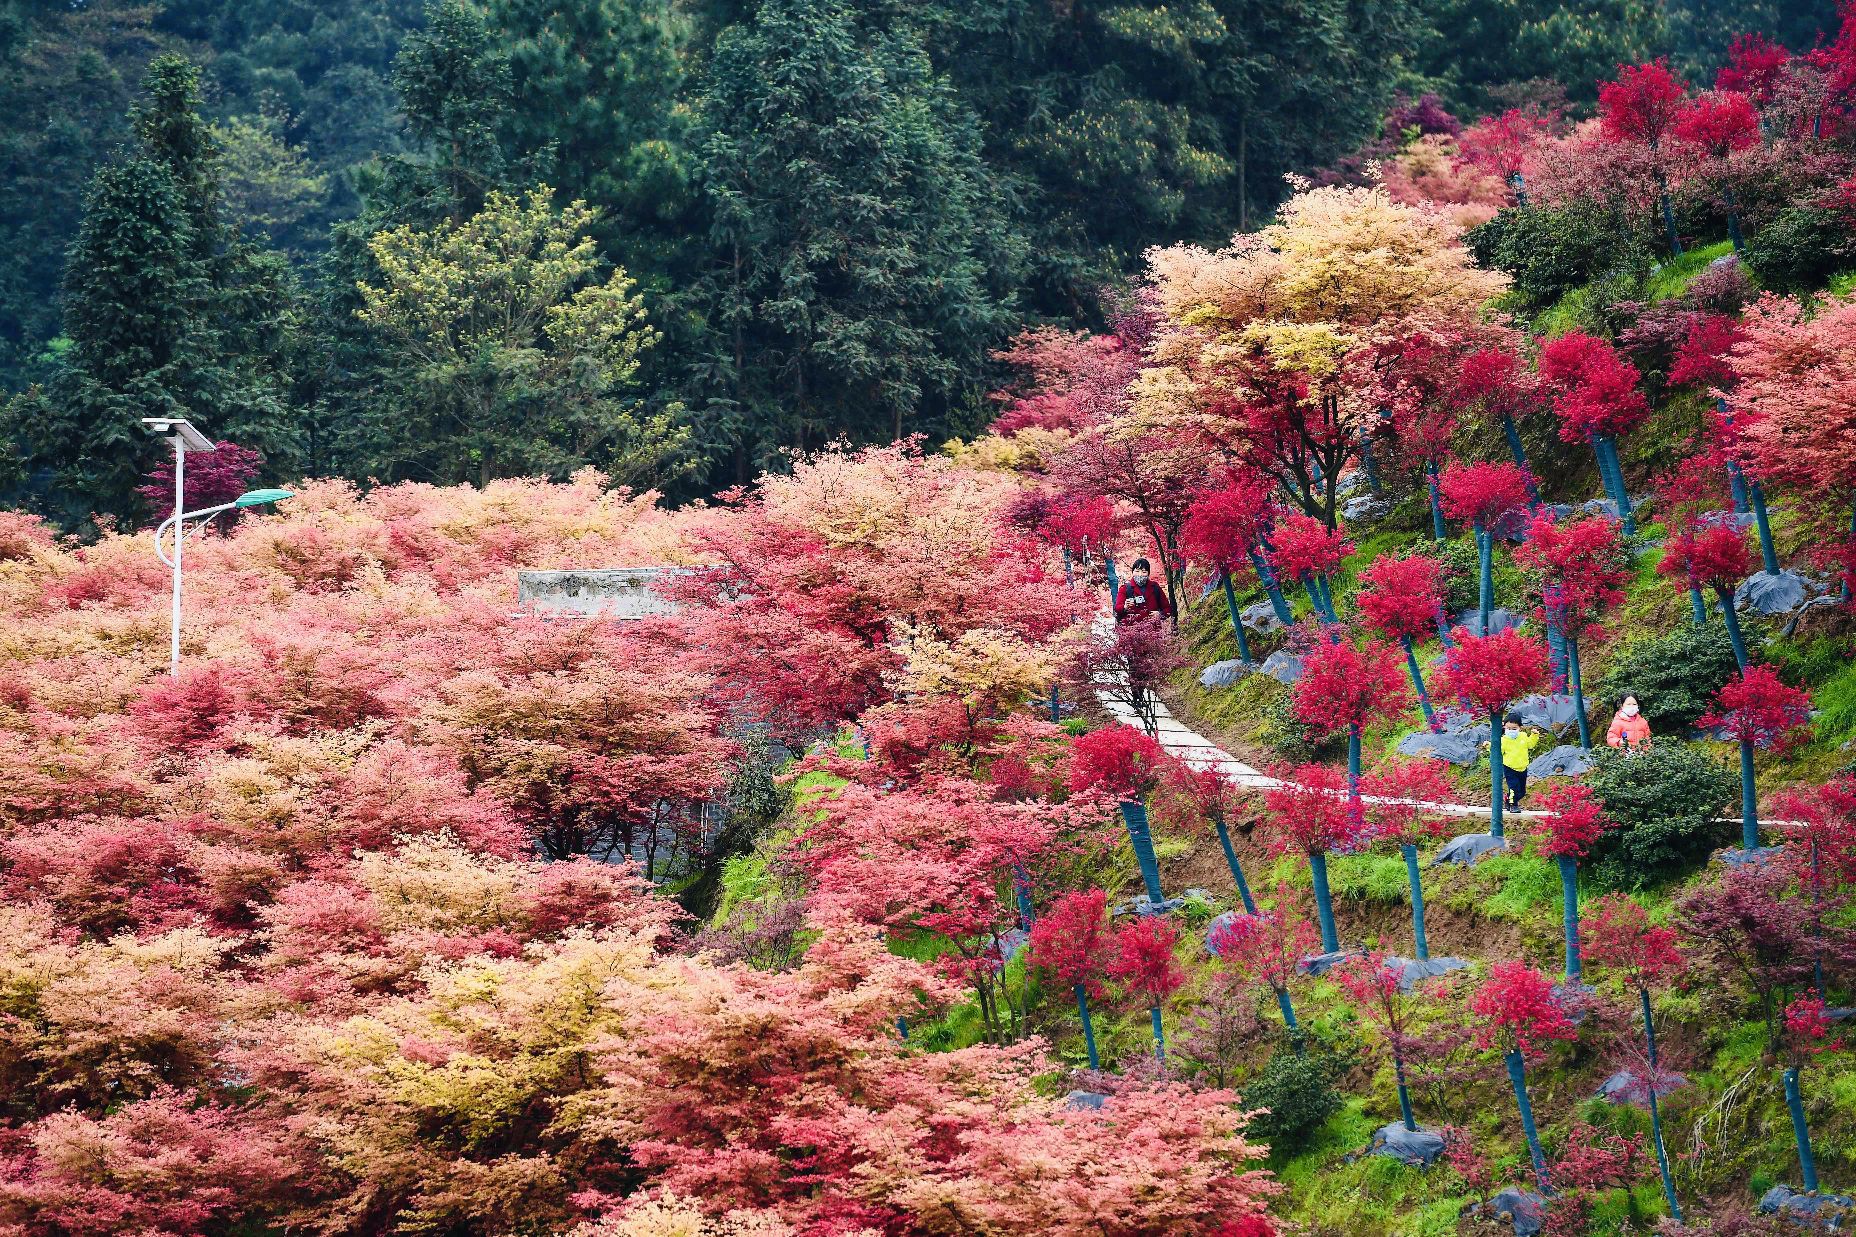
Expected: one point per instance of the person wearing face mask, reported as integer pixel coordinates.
(1517, 750)
(1630, 729)
(1139, 597)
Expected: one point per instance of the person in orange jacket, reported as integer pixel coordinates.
(1630, 729)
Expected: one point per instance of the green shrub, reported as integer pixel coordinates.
(1290, 737)
(1667, 799)
(1674, 676)
(1298, 1090)
(1800, 249)
(1463, 578)
(1551, 252)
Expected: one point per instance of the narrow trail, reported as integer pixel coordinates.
(1198, 752)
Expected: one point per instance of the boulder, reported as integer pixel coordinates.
(1467, 848)
(1554, 712)
(1225, 673)
(1456, 749)
(1566, 760)
(1500, 620)
(1727, 519)
(1766, 592)
(1364, 507)
(1829, 1213)
(1010, 943)
(1321, 964)
(1420, 1147)
(1260, 616)
(1139, 905)
(1283, 666)
(1455, 720)
(1081, 1100)
(1212, 929)
(1738, 857)
(1523, 1209)
(1625, 1087)
(1412, 972)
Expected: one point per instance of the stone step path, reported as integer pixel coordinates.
(1198, 752)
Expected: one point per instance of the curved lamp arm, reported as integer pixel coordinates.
(250, 498)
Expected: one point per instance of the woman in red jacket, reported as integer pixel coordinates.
(1138, 597)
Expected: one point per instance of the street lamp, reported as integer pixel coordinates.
(180, 432)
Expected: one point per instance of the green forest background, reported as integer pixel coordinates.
(345, 232)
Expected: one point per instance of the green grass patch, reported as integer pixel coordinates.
(1673, 277)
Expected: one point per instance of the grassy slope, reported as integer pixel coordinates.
(1506, 906)
(1510, 904)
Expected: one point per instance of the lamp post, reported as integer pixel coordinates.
(181, 432)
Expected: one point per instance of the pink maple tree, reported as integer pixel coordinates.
(1484, 495)
(1519, 1016)
(1309, 810)
(212, 477)
(1304, 548)
(1403, 598)
(1642, 108)
(1582, 566)
(1118, 760)
(1713, 127)
(1145, 966)
(1569, 821)
(1758, 710)
(1072, 942)
(1597, 399)
(1486, 673)
(1266, 947)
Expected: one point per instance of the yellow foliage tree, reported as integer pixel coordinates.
(1280, 350)
(520, 362)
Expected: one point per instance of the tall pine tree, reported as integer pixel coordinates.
(860, 259)
(167, 312)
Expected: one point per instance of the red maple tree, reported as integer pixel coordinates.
(1486, 672)
(1482, 493)
(1401, 597)
(1118, 760)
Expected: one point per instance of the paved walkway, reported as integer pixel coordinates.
(1199, 752)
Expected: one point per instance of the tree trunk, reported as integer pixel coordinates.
(1237, 871)
(1324, 902)
(1288, 1012)
(1159, 1033)
(1404, 1092)
(1280, 606)
(1495, 772)
(1569, 914)
(1749, 804)
(1485, 567)
(1732, 619)
(1656, 1112)
(1417, 682)
(1134, 815)
(1578, 692)
(1089, 1029)
(1439, 531)
(1801, 1133)
(1416, 881)
(1517, 1079)
(1768, 552)
(1237, 623)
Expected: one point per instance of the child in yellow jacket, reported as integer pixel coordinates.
(1517, 750)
